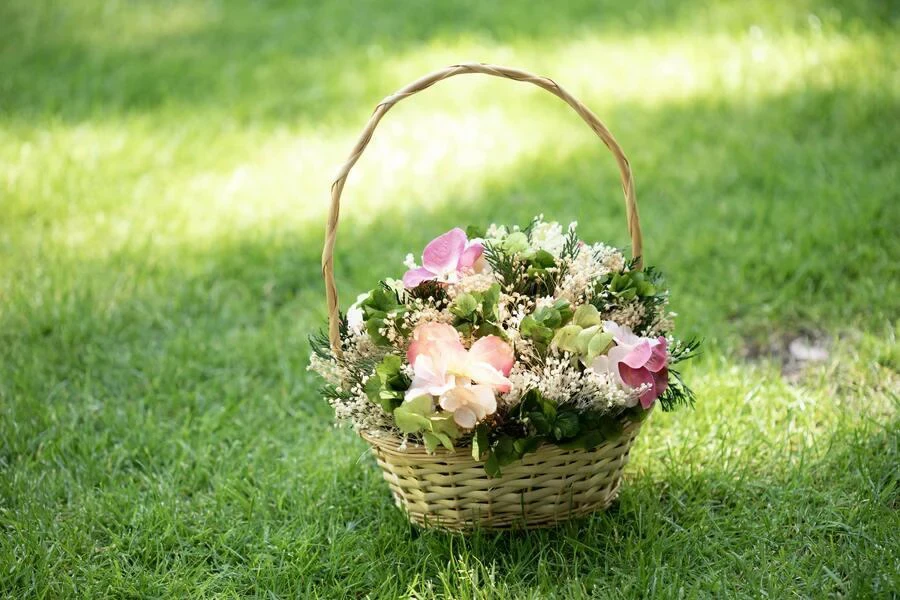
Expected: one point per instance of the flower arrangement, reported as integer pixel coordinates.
(505, 339)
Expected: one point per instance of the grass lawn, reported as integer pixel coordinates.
(164, 176)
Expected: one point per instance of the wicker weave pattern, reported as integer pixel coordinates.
(451, 490)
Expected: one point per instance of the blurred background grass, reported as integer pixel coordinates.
(164, 176)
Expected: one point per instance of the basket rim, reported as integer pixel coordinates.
(389, 443)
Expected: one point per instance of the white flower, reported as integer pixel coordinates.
(395, 284)
(549, 237)
(496, 232)
(355, 314)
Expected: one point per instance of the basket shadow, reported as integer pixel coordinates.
(681, 522)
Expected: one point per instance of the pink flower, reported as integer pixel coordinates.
(469, 404)
(636, 361)
(445, 257)
(464, 381)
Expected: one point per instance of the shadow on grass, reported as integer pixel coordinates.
(755, 226)
(280, 62)
(701, 528)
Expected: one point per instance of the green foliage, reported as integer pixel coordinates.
(630, 285)
(584, 337)
(514, 243)
(541, 325)
(382, 305)
(475, 231)
(478, 312)
(677, 394)
(522, 268)
(388, 385)
(543, 421)
(418, 416)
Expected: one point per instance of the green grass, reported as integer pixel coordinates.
(164, 175)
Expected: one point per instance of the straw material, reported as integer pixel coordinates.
(452, 491)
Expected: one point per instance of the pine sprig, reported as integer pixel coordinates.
(677, 393)
(529, 229)
(320, 342)
(334, 394)
(572, 245)
(509, 270)
(569, 253)
(685, 350)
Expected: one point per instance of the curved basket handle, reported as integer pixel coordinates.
(634, 226)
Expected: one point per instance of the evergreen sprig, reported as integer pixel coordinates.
(686, 350)
(510, 271)
(677, 393)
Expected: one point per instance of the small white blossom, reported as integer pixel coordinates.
(548, 237)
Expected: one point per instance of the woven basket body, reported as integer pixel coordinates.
(452, 491)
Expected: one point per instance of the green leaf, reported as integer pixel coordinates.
(527, 325)
(565, 310)
(474, 231)
(638, 414)
(515, 242)
(443, 423)
(464, 305)
(543, 259)
(373, 327)
(585, 441)
(465, 329)
(542, 425)
(548, 317)
(584, 339)
(565, 338)
(433, 439)
(431, 442)
(535, 272)
(598, 345)
(373, 387)
(566, 425)
(505, 450)
(389, 367)
(411, 416)
(536, 330)
(492, 466)
(611, 428)
(488, 329)
(548, 407)
(526, 445)
(491, 299)
(542, 335)
(587, 315)
(480, 443)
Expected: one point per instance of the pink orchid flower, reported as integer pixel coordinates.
(464, 381)
(445, 257)
(636, 361)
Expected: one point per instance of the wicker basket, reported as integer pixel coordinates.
(451, 490)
